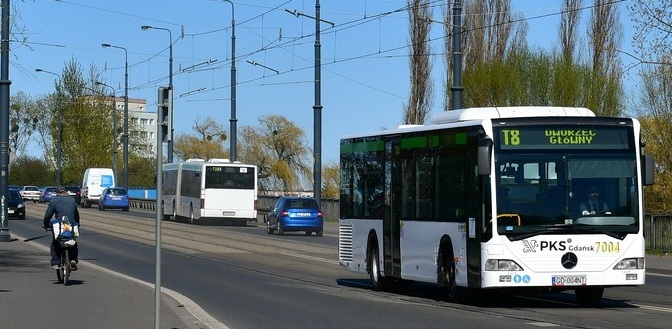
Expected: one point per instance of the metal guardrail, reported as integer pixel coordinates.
(330, 207)
(658, 232)
(657, 228)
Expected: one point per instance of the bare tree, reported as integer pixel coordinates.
(206, 143)
(605, 35)
(490, 31)
(653, 20)
(419, 105)
(569, 33)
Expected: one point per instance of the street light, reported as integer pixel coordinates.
(233, 120)
(317, 108)
(58, 134)
(169, 140)
(125, 134)
(115, 151)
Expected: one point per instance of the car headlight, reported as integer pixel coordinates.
(630, 264)
(502, 265)
(20, 205)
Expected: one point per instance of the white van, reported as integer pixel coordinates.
(94, 182)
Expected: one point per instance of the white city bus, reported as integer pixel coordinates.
(214, 189)
(489, 198)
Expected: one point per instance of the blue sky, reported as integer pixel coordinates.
(365, 75)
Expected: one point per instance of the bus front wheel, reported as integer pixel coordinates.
(447, 275)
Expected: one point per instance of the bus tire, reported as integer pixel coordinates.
(378, 282)
(447, 274)
(589, 296)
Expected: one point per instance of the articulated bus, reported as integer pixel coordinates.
(490, 198)
(213, 189)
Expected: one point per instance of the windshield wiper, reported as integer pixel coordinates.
(571, 228)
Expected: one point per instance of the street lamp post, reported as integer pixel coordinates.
(125, 135)
(115, 150)
(169, 140)
(233, 121)
(317, 108)
(58, 136)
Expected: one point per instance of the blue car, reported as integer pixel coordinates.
(113, 198)
(48, 193)
(291, 214)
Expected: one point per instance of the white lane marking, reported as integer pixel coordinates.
(318, 259)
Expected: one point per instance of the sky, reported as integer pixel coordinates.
(364, 55)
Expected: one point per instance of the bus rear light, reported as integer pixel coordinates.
(502, 265)
(202, 203)
(255, 204)
(630, 264)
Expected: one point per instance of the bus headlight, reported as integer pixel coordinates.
(630, 264)
(502, 265)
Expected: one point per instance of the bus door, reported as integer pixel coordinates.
(391, 218)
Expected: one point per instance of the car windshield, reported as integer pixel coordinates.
(13, 195)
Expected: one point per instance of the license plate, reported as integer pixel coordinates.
(303, 214)
(575, 280)
(10, 211)
(228, 213)
(116, 198)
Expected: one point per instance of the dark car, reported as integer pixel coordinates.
(16, 207)
(113, 198)
(48, 193)
(295, 214)
(75, 192)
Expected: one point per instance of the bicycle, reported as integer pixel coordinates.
(66, 238)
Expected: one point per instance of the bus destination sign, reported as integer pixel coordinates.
(565, 137)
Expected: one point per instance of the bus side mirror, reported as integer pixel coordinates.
(648, 168)
(484, 156)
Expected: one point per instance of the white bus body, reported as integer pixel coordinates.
(213, 189)
(487, 198)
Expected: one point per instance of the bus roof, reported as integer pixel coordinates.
(481, 113)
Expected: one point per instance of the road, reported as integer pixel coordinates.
(247, 279)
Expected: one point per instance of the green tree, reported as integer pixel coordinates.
(27, 170)
(279, 150)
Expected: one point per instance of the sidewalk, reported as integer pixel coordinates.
(31, 297)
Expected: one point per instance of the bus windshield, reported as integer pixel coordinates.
(566, 194)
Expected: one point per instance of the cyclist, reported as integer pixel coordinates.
(62, 205)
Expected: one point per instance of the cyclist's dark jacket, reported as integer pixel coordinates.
(62, 205)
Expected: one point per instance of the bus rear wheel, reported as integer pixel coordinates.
(379, 282)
